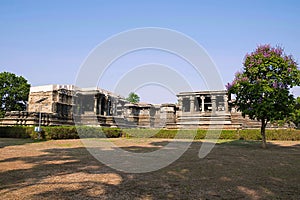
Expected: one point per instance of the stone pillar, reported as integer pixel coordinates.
(180, 103)
(113, 107)
(105, 105)
(108, 107)
(226, 103)
(54, 109)
(95, 104)
(213, 104)
(80, 106)
(116, 102)
(74, 102)
(202, 103)
(99, 105)
(192, 104)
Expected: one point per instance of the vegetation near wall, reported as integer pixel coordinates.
(60, 132)
(70, 132)
(247, 134)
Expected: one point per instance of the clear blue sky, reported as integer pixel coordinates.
(47, 41)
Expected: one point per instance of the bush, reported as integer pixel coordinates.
(182, 134)
(15, 132)
(283, 134)
(60, 132)
(247, 134)
(112, 132)
(229, 135)
(72, 132)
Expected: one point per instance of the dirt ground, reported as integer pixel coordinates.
(64, 169)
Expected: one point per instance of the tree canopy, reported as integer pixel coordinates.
(295, 115)
(262, 88)
(133, 98)
(14, 91)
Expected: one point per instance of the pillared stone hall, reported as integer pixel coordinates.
(69, 105)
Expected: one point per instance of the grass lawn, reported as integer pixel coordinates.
(63, 169)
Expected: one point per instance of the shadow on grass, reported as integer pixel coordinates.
(4, 142)
(258, 144)
(233, 170)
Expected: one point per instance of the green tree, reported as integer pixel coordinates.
(14, 92)
(295, 115)
(262, 88)
(133, 98)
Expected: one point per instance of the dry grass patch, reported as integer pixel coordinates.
(63, 169)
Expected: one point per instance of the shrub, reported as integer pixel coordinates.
(15, 132)
(229, 135)
(249, 134)
(112, 132)
(60, 132)
(283, 134)
(71, 132)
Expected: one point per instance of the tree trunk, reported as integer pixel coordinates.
(263, 133)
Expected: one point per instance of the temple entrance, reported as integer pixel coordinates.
(207, 104)
(198, 106)
(102, 106)
(220, 103)
(87, 103)
(186, 105)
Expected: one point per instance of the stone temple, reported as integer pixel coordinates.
(67, 105)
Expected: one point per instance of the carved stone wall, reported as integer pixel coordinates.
(64, 104)
(56, 99)
(17, 118)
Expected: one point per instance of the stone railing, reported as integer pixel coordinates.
(23, 118)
